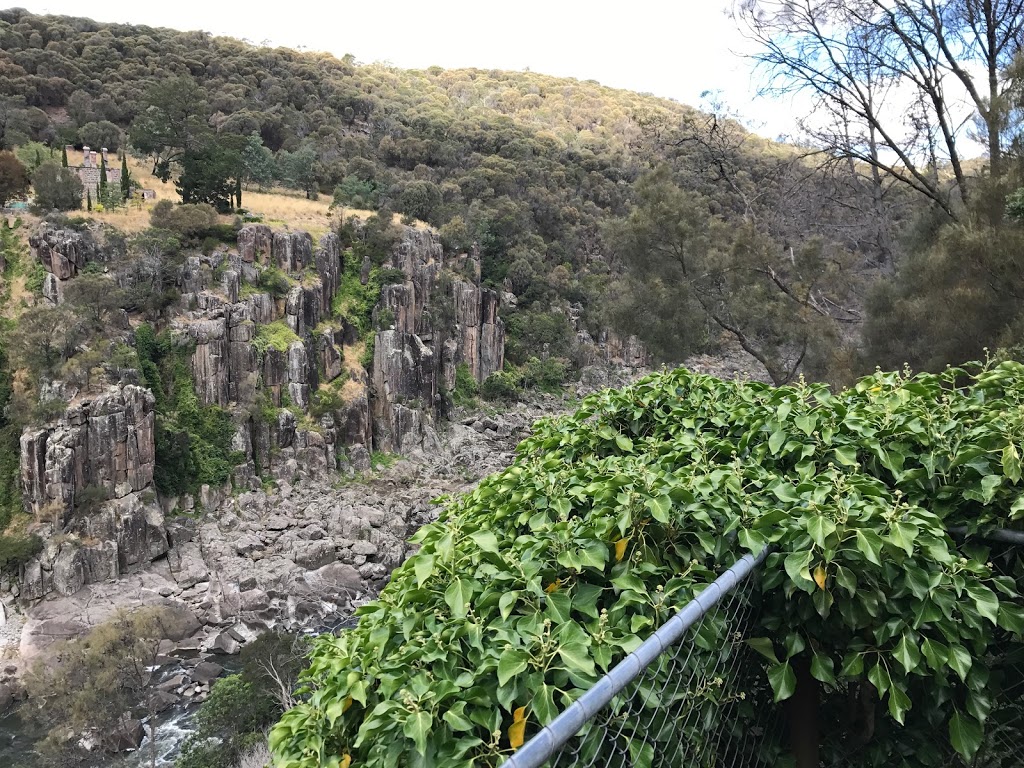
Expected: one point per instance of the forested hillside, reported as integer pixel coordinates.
(563, 185)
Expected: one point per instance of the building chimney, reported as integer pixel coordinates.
(94, 161)
(103, 150)
(86, 158)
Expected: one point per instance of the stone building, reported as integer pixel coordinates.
(89, 170)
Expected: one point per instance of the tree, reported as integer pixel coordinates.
(64, 156)
(101, 135)
(207, 172)
(14, 179)
(126, 178)
(779, 305)
(257, 162)
(97, 679)
(174, 120)
(299, 169)
(887, 77)
(56, 188)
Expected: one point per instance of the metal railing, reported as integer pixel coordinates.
(671, 701)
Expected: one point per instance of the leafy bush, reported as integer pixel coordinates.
(275, 282)
(325, 401)
(546, 375)
(610, 519)
(277, 335)
(466, 388)
(18, 550)
(193, 441)
(501, 385)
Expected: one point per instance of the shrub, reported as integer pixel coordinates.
(15, 551)
(466, 388)
(325, 401)
(56, 188)
(610, 519)
(277, 335)
(275, 282)
(500, 385)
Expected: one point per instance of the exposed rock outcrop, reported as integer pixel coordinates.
(62, 252)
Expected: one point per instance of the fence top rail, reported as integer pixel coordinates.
(559, 731)
(1003, 536)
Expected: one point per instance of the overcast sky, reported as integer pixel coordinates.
(674, 49)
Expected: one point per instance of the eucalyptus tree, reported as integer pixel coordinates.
(899, 85)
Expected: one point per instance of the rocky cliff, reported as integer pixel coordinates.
(264, 356)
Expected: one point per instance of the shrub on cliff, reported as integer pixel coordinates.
(532, 585)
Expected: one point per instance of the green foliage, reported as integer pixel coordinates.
(14, 178)
(531, 333)
(466, 389)
(543, 577)
(501, 385)
(355, 301)
(276, 335)
(952, 297)
(56, 188)
(17, 550)
(100, 676)
(324, 401)
(193, 441)
(275, 282)
(241, 706)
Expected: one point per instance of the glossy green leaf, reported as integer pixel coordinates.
(783, 681)
(965, 735)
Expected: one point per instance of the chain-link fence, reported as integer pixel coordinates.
(695, 696)
(677, 701)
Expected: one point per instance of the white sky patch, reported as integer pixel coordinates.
(676, 50)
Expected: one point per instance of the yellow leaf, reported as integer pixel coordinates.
(620, 548)
(819, 576)
(553, 586)
(517, 731)
(346, 761)
(346, 704)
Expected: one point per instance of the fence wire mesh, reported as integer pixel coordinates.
(702, 703)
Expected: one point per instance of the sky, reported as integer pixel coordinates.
(677, 49)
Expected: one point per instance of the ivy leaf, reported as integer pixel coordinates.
(806, 423)
(620, 548)
(907, 654)
(1011, 463)
(486, 540)
(935, 654)
(624, 443)
(985, 601)
(989, 484)
(820, 576)
(878, 676)
(903, 535)
(965, 735)
(765, 647)
(776, 441)
(853, 665)
(456, 718)
(796, 566)
(577, 657)
(783, 681)
(511, 662)
(416, 727)
(846, 579)
(960, 660)
(517, 731)
(899, 704)
(544, 703)
(457, 597)
(1011, 618)
(659, 507)
(846, 455)
(820, 528)
(869, 544)
(423, 565)
(823, 669)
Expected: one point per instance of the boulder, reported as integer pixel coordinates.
(206, 672)
(315, 554)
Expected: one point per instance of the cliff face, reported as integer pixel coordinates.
(88, 476)
(438, 321)
(100, 453)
